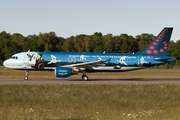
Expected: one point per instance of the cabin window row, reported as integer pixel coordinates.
(87, 59)
(121, 60)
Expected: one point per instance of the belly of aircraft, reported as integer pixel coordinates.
(123, 68)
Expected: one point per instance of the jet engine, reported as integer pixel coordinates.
(64, 72)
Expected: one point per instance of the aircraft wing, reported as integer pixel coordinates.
(86, 65)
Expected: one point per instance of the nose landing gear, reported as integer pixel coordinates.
(26, 77)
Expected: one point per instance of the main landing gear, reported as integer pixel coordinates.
(26, 77)
(84, 76)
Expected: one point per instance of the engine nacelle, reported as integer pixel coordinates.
(63, 71)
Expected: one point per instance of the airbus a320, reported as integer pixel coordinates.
(65, 64)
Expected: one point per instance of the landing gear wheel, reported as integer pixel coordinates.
(25, 78)
(84, 77)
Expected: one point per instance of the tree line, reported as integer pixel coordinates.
(97, 43)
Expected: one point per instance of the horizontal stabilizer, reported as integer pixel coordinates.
(159, 59)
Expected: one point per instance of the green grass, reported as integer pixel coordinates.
(99, 102)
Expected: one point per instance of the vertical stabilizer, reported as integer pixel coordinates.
(159, 45)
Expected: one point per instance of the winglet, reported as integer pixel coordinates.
(160, 44)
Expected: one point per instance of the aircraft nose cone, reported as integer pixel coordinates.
(5, 63)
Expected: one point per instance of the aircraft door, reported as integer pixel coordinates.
(140, 57)
(28, 58)
(25, 59)
(70, 59)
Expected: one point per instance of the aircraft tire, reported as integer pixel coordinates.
(85, 77)
(25, 78)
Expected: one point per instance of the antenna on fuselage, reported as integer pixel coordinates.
(104, 52)
(29, 51)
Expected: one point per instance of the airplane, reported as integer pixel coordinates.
(65, 64)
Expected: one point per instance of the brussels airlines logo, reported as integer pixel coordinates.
(53, 60)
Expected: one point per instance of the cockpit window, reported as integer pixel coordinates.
(14, 57)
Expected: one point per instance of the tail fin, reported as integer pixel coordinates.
(160, 44)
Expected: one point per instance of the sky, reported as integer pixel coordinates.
(73, 17)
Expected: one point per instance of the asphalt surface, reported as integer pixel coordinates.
(40, 81)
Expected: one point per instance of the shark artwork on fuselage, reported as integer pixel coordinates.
(67, 63)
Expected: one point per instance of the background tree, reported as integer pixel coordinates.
(144, 40)
(97, 44)
(50, 42)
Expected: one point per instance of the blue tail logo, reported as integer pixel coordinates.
(160, 44)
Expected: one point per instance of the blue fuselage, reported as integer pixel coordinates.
(113, 62)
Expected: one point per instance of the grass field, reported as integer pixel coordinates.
(144, 73)
(99, 102)
(87, 102)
